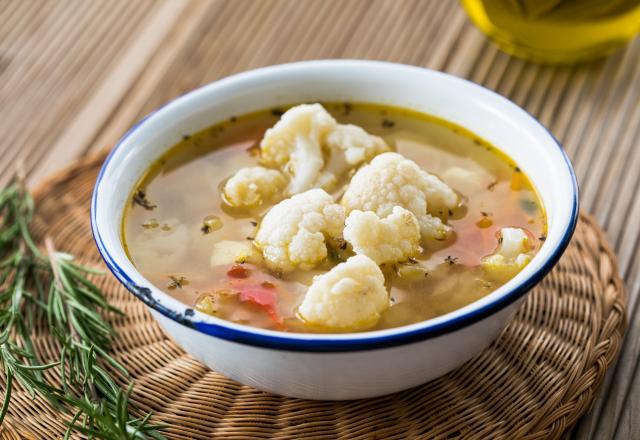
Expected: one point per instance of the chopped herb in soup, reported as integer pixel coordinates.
(332, 218)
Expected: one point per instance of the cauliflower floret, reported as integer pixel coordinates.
(511, 256)
(227, 252)
(357, 145)
(389, 240)
(292, 234)
(249, 187)
(349, 297)
(304, 136)
(294, 144)
(349, 146)
(391, 180)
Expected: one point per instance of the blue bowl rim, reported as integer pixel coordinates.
(288, 342)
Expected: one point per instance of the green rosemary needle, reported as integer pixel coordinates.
(50, 287)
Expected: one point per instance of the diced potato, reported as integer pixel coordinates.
(411, 272)
(228, 252)
(207, 304)
(212, 303)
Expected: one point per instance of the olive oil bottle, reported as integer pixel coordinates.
(557, 31)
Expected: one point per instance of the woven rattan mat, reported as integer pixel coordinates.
(534, 382)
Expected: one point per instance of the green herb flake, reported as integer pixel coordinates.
(152, 223)
(451, 260)
(388, 123)
(485, 284)
(177, 282)
(529, 206)
(140, 199)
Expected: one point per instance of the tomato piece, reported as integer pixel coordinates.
(265, 298)
(238, 271)
(262, 293)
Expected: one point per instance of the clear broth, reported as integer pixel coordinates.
(167, 244)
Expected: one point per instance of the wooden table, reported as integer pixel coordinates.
(75, 74)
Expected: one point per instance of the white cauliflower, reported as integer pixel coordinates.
(349, 297)
(227, 252)
(357, 145)
(348, 146)
(511, 256)
(307, 134)
(294, 144)
(391, 180)
(292, 234)
(250, 187)
(388, 240)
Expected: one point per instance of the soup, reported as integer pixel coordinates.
(229, 224)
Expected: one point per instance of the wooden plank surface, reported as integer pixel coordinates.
(75, 74)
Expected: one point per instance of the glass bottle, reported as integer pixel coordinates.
(557, 31)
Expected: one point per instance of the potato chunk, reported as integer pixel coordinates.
(228, 252)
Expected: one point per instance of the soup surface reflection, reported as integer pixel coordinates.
(177, 216)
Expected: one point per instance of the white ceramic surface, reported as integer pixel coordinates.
(356, 365)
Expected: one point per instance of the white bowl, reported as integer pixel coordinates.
(354, 365)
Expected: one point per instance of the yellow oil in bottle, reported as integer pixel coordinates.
(557, 31)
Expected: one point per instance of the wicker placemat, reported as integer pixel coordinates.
(534, 382)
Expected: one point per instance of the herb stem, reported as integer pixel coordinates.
(48, 285)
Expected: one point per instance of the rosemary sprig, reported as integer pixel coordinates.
(37, 287)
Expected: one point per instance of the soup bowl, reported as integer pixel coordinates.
(346, 365)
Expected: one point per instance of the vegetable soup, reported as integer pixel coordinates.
(332, 218)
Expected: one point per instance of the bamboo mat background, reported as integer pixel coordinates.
(75, 74)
